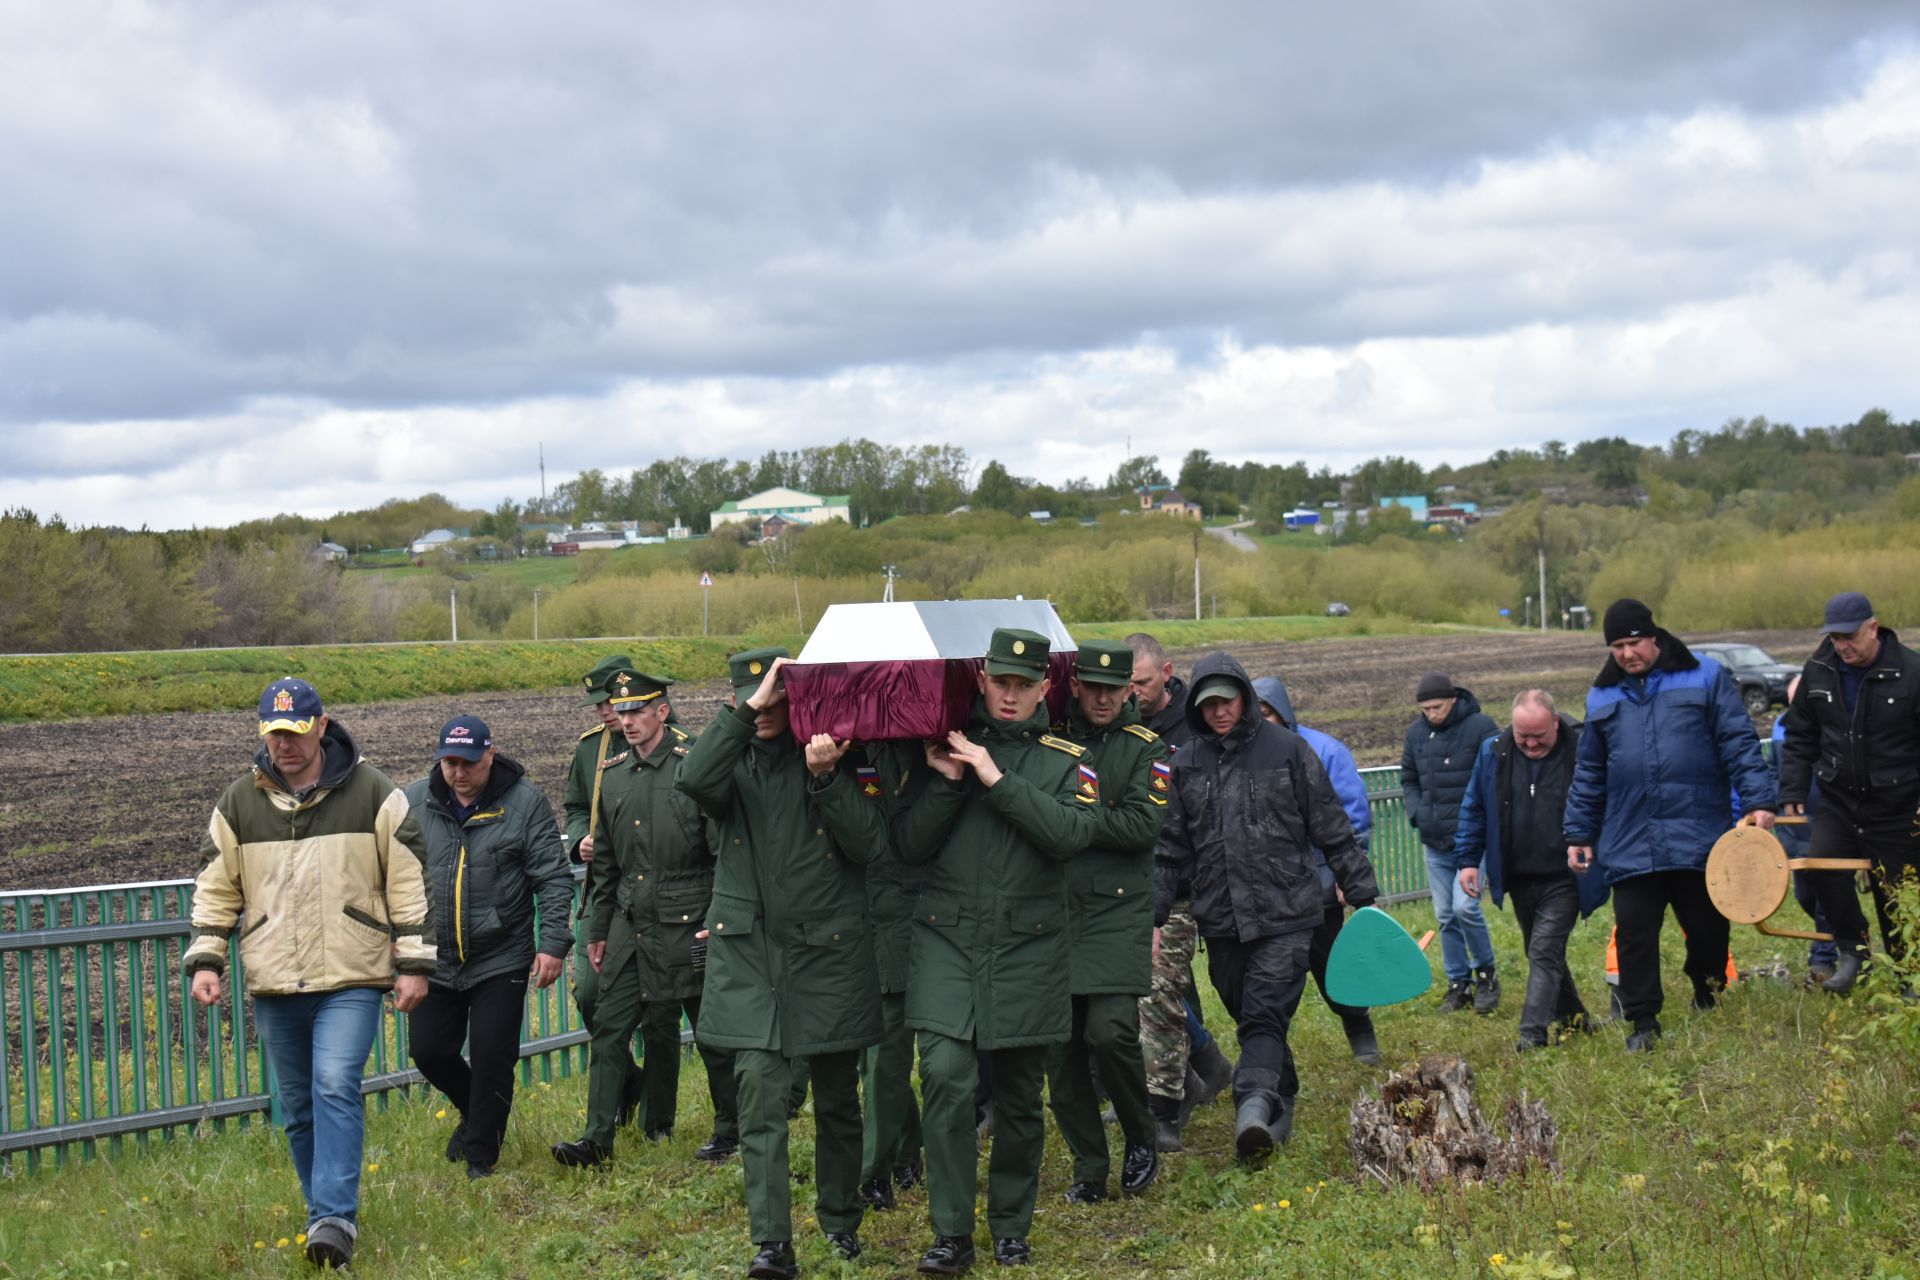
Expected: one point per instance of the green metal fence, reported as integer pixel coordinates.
(100, 1042)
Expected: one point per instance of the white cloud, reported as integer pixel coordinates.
(273, 257)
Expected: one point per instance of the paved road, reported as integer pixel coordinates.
(1231, 535)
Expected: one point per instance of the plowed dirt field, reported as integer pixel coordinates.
(124, 799)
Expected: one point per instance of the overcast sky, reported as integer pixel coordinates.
(261, 257)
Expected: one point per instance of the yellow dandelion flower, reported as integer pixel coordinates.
(259, 1244)
(373, 1166)
(146, 1233)
(282, 1243)
(441, 1114)
(300, 1238)
(1259, 1208)
(1496, 1259)
(1286, 1204)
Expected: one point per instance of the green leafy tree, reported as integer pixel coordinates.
(997, 490)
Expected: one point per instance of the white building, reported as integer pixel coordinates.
(809, 508)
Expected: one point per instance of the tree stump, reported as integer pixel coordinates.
(1424, 1127)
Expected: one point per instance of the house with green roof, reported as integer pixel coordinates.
(792, 504)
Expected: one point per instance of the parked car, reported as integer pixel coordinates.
(1338, 609)
(1762, 681)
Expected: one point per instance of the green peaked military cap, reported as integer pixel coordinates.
(629, 690)
(595, 681)
(747, 670)
(1104, 662)
(1014, 652)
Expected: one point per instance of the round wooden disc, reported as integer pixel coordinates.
(1747, 875)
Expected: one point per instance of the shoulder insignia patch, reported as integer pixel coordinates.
(589, 733)
(611, 761)
(868, 779)
(679, 733)
(1141, 732)
(678, 749)
(1089, 789)
(1160, 777)
(1073, 749)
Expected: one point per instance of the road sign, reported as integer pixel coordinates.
(706, 579)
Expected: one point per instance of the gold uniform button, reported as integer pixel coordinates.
(836, 937)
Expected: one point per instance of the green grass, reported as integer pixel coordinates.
(75, 686)
(70, 687)
(1767, 1138)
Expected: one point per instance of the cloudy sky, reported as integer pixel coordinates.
(260, 257)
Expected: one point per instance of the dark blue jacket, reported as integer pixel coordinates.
(1658, 765)
(1480, 839)
(1348, 785)
(1436, 764)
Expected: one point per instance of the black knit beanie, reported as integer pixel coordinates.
(1434, 684)
(1627, 618)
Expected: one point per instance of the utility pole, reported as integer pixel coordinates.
(543, 479)
(1196, 574)
(1543, 586)
(453, 615)
(536, 613)
(798, 617)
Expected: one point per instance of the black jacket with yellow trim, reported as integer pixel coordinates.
(489, 871)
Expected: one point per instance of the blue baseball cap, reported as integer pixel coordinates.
(466, 737)
(289, 705)
(1847, 613)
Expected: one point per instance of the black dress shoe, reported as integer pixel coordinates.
(877, 1193)
(775, 1261)
(477, 1171)
(716, 1148)
(907, 1176)
(844, 1243)
(1086, 1192)
(584, 1154)
(457, 1144)
(1012, 1251)
(949, 1256)
(1138, 1168)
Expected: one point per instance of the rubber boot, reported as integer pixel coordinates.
(1846, 969)
(1166, 1122)
(1215, 1070)
(1252, 1138)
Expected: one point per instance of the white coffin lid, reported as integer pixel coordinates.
(906, 630)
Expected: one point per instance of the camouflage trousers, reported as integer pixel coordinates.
(1163, 1014)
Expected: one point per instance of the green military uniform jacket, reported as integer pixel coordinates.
(989, 956)
(892, 885)
(790, 964)
(577, 802)
(1111, 930)
(653, 869)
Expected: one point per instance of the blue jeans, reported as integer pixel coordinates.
(318, 1046)
(1465, 944)
(1198, 1037)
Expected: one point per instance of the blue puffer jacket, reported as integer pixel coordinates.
(1658, 765)
(1348, 785)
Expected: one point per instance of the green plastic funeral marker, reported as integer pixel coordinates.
(1374, 962)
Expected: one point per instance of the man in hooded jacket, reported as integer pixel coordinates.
(1352, 790)
(1667, 745)
(1248, 805)
(1434, 768)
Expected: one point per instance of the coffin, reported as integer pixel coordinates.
(909, 670)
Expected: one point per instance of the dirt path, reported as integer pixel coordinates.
(126, 798)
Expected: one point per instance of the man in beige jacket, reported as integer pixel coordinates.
(314, 857)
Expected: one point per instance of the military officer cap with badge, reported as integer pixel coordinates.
(1014, 652)
(1104, 662)
(595, 681)
(630, 690)
(746, 670)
